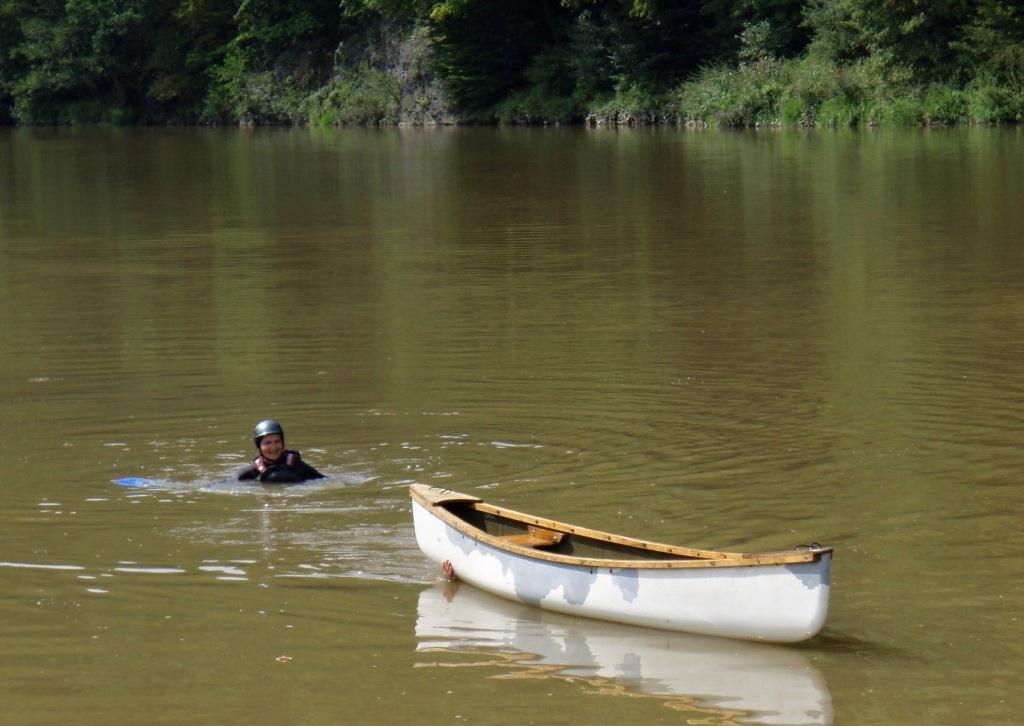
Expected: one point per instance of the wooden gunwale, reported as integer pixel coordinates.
(434, 499)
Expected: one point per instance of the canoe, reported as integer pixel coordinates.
(771, 596)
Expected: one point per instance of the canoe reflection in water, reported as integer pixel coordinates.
(728, 681)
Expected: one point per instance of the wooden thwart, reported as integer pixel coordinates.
(534, 537)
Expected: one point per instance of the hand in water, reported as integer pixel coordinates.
(448, 571)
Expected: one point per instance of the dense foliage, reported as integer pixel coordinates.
(733, 62)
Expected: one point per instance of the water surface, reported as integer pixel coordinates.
(728, 340)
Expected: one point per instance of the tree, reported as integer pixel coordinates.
(993, 42)
(483, 47)
(926, 39)
(79, 60)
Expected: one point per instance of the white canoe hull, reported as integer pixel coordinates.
(777, 602)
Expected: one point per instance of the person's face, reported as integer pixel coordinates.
(271, 446)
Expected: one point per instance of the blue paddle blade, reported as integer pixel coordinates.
(133, 481)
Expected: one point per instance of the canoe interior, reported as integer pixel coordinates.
(560, 542)
(571, 543)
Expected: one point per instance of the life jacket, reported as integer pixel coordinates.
(289, 459)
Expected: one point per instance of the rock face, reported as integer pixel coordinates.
(402, 56)
(422, 97)
(381, 75)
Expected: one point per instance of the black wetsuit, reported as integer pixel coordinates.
(288, 469)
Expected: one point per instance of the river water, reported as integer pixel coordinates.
(725, 340)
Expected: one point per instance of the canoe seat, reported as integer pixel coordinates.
(534, 537)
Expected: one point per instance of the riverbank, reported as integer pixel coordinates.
(767, 92)
(396, 85)
(497, 63)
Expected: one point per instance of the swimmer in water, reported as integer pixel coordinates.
(276, 464)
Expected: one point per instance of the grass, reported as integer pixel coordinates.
(806, 92)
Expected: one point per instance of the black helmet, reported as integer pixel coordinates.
(266, 427)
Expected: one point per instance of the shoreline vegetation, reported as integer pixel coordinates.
(739, 63)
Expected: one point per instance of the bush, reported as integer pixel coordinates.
(732, 96)
(631, 104)
(227, 90)
(549, 95)
(794, 111)
(534, 107)
(988, 102)
(903, 111)
(362, 95)
(944, 105)
(702, 99)
(809, 92)
(813, 82)
(841, 110)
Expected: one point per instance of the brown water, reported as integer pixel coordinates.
(734, 340)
